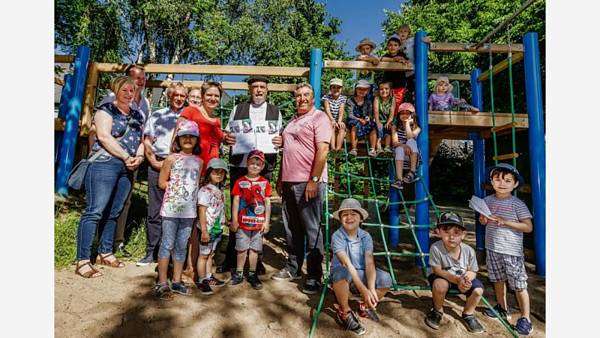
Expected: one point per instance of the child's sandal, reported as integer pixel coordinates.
(91, 273)
(102, 260)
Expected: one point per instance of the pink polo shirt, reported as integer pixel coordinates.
(300, 138)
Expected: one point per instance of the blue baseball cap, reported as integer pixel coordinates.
(506, 167)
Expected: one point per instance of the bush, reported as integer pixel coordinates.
(451, 172)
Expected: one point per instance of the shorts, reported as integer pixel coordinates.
(211, 246)
(475, 283)
(248, 239)
(399, 151)
(503, 267)
(175, 235)
(381, 132)
(383, 279)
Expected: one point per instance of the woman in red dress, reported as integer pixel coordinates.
(209, 125)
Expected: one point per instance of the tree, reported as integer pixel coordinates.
(468, 21)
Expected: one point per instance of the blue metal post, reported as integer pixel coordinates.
(394, 234)
(537, 146)
(75, 103)
(478, 157)
(62, 112)
(316, 71)
(422, 213)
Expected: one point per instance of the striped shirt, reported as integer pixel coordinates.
(502, 239)
(335, 104)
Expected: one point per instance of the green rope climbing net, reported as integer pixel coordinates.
(380, 203)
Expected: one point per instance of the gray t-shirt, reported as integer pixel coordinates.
(354, 248)
(439, 256)
(502, 239)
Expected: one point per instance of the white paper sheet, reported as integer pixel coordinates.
(248, 136)
(479, 205)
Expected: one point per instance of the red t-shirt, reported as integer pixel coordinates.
(211, 134)
(251, 212)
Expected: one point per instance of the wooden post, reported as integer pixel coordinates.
(90, 98)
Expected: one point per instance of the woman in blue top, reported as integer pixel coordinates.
(108, 179)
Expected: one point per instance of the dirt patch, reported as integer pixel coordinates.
(121, 304)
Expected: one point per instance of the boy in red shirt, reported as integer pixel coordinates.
(251, 199)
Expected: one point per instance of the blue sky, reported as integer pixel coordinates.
(360, 19)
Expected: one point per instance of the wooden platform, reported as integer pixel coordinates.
(455, 125)
(452, 125)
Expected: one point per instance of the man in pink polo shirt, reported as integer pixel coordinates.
(302, 185)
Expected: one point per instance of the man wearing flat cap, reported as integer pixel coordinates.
(252, 125)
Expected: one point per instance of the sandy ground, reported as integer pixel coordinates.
(121, 304)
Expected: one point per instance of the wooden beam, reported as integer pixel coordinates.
(469, 119)
(59, 124)
(273, 87)
(58, 80)
(64, 58)
(501, 130)
(210, 69)
(458, 77)
(89, 98)
(383, 65)
(445, 47)
(500, 66)
(505, 156)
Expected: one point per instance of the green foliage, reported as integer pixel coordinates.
(468, 21)
(205, 31)
(451, 173)
(66, 220)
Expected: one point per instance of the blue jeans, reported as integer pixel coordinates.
(383, 279)
(175, 234)
(107, 184)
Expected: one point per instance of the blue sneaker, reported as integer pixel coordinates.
(180, 288)
(236, 278)
(524, 326)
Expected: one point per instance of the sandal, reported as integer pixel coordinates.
(102, 260)
(162, 291)
(91, 273)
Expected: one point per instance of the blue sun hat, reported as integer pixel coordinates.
(508, 167)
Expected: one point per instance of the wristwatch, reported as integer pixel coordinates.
(314, 179)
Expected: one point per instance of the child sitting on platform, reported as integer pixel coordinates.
(407, 46)
(396, 78)
(504, 243)
(365, 48)
(443, 99)
(454, 268)
(353, 267)
(360, 120)
(333, 105)
(383, 111)
(404, 140)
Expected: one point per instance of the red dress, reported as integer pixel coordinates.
(211, 134)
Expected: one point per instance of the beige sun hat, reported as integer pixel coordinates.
(351, 204)
(365, 41)
(336, 81)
